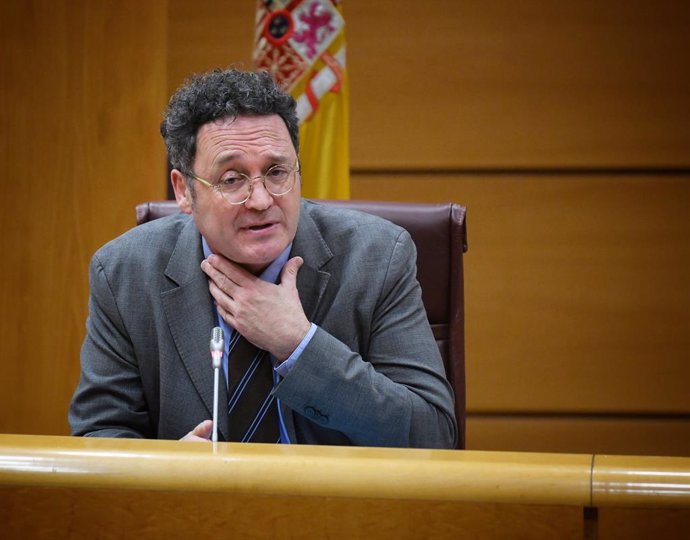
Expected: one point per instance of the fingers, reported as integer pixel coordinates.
(201, 433)
(203, 429)
(225, 272)
(221, 286)
(216, 276)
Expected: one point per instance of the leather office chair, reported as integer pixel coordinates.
(439, 233)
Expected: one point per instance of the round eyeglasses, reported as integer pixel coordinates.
(236, 187)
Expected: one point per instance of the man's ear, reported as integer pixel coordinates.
(183, 194)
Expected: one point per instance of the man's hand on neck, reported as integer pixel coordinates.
(268, 315)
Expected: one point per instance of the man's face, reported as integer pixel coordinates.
(255, 232)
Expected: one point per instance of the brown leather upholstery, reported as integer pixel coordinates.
(439, 233)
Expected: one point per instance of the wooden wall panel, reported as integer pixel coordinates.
(447, 84)
(644, 523)
(61, 514)
(576, 288)
(621, 435)
(86, 513)
(82, 88)
(208, 34)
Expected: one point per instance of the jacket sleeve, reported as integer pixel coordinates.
(109, 399)
(390, 389)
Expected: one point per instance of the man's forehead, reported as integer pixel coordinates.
(248, 129)
(245, 120)
(230, 137)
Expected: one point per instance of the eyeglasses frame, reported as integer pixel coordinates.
(215, 187)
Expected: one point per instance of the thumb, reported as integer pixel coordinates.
(288, 276)
(204, 429)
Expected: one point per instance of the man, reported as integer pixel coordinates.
(324, 301)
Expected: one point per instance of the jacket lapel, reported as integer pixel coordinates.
(188, 307)
(310, 244)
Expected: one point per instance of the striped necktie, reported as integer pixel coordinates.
(252, 409)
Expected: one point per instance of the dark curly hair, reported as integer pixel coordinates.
(219, 94)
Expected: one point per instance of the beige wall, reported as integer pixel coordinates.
(564, 127)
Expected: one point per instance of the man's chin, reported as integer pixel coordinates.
(258, 263)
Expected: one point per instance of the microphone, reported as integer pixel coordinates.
(216, 346)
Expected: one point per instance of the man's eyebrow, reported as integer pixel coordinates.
(223, 159)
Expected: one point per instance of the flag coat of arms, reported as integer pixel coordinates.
(302, 44)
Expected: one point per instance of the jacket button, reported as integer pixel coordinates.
(316, 415)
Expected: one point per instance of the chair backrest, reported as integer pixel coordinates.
(439, 233)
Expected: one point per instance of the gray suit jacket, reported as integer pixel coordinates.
(371, 375)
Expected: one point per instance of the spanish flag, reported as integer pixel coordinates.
(302, 44)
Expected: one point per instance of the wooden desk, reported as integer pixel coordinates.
(63, 487)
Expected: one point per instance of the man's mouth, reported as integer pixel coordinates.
(259, 226)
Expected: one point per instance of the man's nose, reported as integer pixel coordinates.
(259, 197)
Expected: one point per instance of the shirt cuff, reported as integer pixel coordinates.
(285, 367)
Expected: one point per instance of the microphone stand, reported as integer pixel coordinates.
(217, 347)
(214, 436)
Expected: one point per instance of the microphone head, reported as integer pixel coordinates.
(217, 338)
(217, 345)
